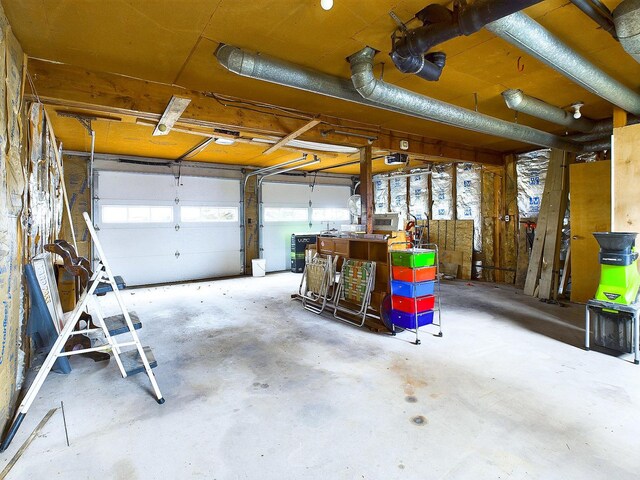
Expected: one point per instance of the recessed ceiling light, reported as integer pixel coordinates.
(224, 141)
(326, 4)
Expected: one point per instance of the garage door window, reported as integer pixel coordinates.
(285, 214)
(136, 214)
(208, 214)
(330, 214)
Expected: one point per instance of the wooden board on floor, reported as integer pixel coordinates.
(590, 212)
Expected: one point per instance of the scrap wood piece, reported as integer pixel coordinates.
(174, 110)
(26, 443)
(557, 205)
(554, 174)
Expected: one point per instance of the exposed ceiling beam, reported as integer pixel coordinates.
(74, 87)
(292, 136)
(174, 110)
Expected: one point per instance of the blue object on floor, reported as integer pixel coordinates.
(105, 287)
(408, 320)
(40, 325)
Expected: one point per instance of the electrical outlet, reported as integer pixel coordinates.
(507, 218)
(404, 144)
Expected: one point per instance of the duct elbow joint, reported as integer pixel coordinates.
(513, 98)
(233, 59)
(362, 71)
(428, 67)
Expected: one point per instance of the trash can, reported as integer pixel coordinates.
(259, 267)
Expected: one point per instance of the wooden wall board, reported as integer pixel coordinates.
(510, 244)
(455, 243)
(625, 172)
(557, 204)
(554, 176)
(590, 212)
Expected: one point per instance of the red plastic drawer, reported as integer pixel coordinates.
(405, 274)
(408, 305)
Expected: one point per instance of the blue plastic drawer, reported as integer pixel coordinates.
(408, 320)
(411, 290)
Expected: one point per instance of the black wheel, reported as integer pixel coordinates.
(418, 342)
(160, 401)
(439, 334)
(636, 362)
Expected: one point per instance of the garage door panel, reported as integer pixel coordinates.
(131, 243)
(145, 253)
(136, 186)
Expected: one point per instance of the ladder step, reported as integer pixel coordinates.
(132, 362)
(105, 287)
(117, 325)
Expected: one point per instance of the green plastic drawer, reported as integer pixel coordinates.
(418, 257)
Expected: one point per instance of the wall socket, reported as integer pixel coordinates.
(404, 144)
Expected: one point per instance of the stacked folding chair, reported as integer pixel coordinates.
(316, 285)
(353, 294)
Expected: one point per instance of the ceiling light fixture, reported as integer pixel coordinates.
(576, 109)
(224, 141)
(326, 4)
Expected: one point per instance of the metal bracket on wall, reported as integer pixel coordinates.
(85, 120)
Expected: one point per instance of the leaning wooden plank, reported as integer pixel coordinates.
(533, 272)
(557, 204)
(564, 281)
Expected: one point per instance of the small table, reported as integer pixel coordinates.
(634, 310)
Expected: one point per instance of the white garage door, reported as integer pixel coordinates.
(286, 210)
(154, 230)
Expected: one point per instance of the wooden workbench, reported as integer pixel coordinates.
(370, 250)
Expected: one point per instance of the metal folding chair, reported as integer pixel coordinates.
(316, 283)
(353, 294)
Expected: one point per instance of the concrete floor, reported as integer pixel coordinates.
(258, 388)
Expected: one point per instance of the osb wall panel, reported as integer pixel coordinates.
(455, 243)
(625, 171)
(510, 245)
(488, 222)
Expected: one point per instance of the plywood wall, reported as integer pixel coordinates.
(625, 172)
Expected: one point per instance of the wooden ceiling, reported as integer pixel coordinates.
(172, 42)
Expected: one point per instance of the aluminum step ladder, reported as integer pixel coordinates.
(130, 362)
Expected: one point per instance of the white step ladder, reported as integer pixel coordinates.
(132, 361)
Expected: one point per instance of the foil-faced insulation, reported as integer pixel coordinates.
(441, 191)
(531, 169)
(469, 197)
(419, 194)
(398, 198)
(587, 157)
(381, 194)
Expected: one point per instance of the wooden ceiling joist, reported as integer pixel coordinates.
(111, 94)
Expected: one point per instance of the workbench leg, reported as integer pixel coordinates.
(587, 327)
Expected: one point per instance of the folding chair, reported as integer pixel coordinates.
(354, 290)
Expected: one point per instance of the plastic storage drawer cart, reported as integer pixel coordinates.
(415, 289)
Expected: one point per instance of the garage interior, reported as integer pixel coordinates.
(333, 239)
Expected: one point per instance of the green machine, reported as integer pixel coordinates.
(619, 277)
(615, 308)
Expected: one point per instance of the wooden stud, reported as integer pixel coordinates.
(292, 136)
(366, 188)
(619, 117)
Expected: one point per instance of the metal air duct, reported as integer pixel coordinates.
(626, 18)
(520, 102)
(427, 108)
(272, 70)
(531, 37)
(441, 24)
